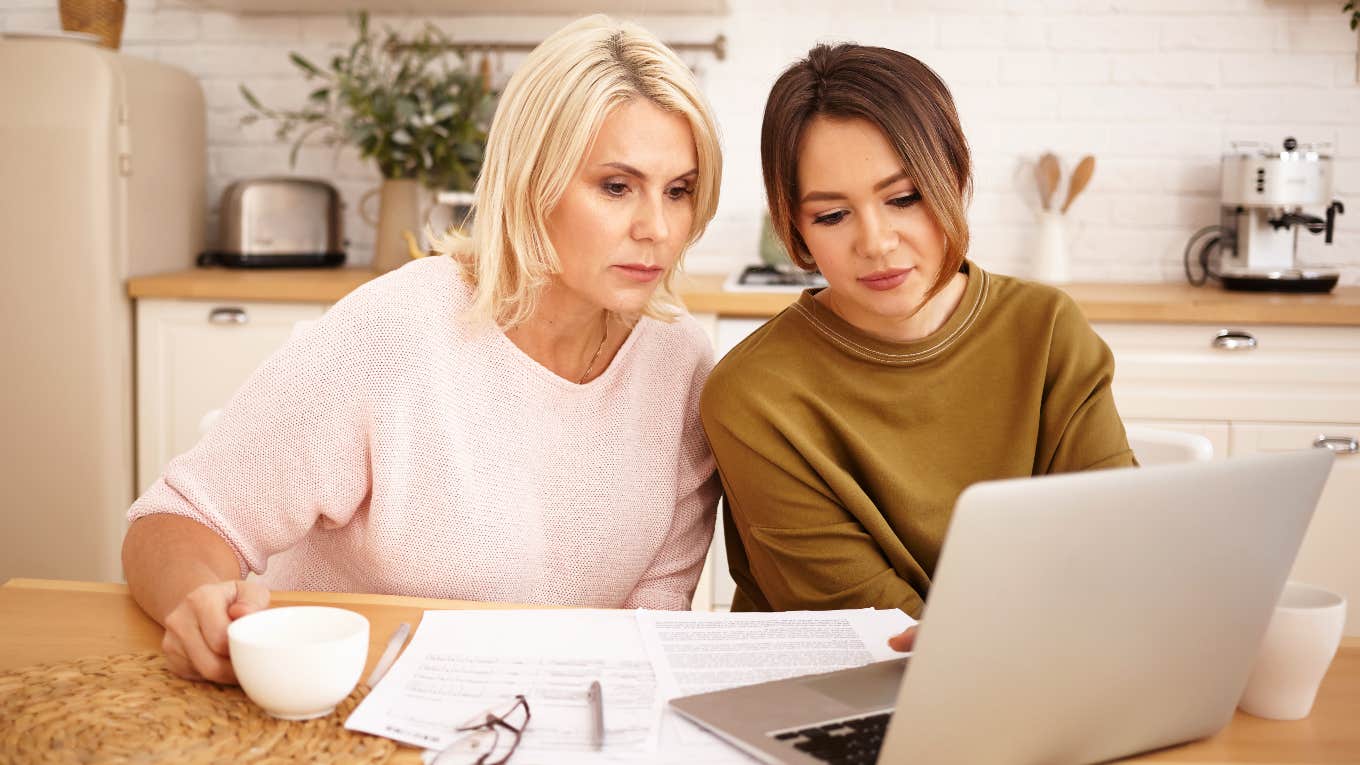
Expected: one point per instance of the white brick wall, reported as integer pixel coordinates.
(1156, 89)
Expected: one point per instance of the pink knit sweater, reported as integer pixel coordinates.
(394, 449)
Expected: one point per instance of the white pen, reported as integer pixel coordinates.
(596, 698)
(389, 655)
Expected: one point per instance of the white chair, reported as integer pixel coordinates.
(1156, 446)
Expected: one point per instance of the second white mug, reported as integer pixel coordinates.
(1299, 645)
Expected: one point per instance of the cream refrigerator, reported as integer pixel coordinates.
(102, 172)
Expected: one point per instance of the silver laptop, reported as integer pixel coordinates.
(1072, 619)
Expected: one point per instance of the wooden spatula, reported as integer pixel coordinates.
(1080, 177)
(1048, 173)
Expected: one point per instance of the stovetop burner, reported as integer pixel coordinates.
(771, 279)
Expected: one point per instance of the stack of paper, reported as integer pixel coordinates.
(462, 663)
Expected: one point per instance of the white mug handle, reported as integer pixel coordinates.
(363, 211)
(425, 202)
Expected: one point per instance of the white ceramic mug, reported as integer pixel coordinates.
(298, 662)
(1298, 648)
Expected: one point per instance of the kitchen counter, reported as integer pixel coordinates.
(703, 293)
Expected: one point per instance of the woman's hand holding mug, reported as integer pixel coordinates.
(195, 643)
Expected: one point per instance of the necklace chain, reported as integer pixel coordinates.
(598, 349)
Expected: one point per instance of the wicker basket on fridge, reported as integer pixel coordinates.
(98, 17)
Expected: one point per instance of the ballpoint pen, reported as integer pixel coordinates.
(596, 698)
(389, 655)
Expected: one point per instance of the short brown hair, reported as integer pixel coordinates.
(904, 99)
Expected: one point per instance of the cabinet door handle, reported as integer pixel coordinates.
(1234, 340)
(228, 316)
(1338, 444)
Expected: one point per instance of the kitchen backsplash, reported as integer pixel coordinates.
(1156, 89)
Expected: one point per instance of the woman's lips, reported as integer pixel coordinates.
(639, 272)
(885, 280)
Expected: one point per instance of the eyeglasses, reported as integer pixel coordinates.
(485, 741)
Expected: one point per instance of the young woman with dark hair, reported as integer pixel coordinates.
(845, 428)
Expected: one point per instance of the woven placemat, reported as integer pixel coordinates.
(130, 708)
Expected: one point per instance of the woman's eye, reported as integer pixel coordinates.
(906, 200)
(830, 219)
(679, 192)
(615, 188)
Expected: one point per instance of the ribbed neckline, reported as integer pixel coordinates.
(856, 342)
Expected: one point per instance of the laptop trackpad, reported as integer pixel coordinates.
(873, 686)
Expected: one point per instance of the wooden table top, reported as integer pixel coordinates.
(48, 621)
(704, 293)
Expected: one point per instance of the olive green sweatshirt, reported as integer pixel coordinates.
(842, 454)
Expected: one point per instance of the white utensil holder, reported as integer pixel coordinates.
(1052, 263)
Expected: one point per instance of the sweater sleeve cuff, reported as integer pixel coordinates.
(162, 499)
(658, 600)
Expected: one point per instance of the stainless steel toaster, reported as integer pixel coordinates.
(279, 222)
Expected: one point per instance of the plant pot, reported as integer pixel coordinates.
(103, 18)
(401, 209)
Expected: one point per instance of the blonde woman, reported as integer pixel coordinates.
(515, 420)
(845, 428)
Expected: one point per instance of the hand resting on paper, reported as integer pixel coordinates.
(195, 643)
(904, 641)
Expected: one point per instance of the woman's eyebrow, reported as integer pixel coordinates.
(628, 169)
(821, 196)
(901, 175)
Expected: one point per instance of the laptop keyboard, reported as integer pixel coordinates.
(844, 742)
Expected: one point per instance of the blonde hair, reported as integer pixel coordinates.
(543, 128)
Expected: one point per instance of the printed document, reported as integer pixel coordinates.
(462, 664)
(696, 652)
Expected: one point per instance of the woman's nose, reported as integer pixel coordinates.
(649, 221)
(875, 237)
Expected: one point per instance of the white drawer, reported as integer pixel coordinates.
(1299, 374)
(192, 355)
(1330, 554)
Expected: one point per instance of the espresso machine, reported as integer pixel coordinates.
(1270, 196)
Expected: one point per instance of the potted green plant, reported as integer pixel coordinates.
(411, 105)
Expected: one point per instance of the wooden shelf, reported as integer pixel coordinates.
(467, 7)
(704, 293)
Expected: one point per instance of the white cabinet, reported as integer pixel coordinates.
(1330, 555)
(192, 355)
(728, 333)
(716, 587)
(1254, 389)
(1222, 373)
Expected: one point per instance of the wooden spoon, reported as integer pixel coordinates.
(1080, 177)
(1048, 173)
